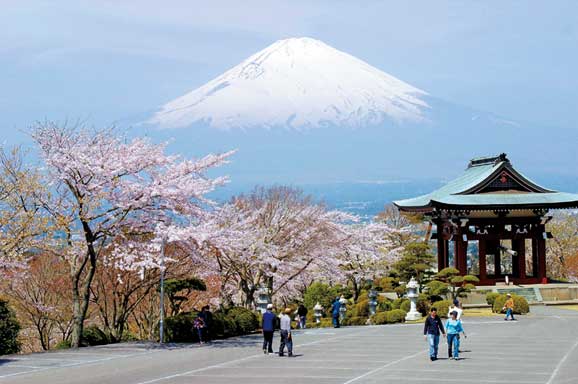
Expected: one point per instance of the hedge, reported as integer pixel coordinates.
(389, 317)
(245, 320)
(361, 309)
(521, 306)
(92, 335)
(442, 306)
(9, 328)
(232, 322)
(491, 297)
(357, 320)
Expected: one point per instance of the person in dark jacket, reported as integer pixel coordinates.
(302, 313)
(336, 306)
(431, 330)
(207, 318)
(269, 321)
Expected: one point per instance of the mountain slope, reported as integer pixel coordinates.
(298, 83)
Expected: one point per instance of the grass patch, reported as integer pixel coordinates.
(479, 312)
(570, 307)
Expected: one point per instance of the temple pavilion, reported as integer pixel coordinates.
(491, 222)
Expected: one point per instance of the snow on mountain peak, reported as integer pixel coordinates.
(297, 83)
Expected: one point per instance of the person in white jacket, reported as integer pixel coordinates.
(457, 309)
(285, 332)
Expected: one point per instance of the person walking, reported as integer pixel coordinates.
(509, 307)
(336, 306)
(453, 329)
(459, 311)
(207, 318)
(285, 331)
(302, 313)
(199, 325)
(454, 308)
(269, 320)
(431, 330)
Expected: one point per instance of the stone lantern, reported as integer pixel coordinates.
(317, 312)
(412, 295)
(372, 295)
(342, 307)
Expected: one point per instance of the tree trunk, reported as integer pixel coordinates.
(81, 297)
(355, 289)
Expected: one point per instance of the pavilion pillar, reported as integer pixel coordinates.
(442, 253)
(461, 254)
(541, 243)
(482, 259)
(519, 264)
(535, 267)
(493, 249)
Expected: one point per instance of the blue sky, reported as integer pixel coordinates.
(108, 60)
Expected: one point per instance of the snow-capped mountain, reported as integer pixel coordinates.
(283, 108)
(297, 83)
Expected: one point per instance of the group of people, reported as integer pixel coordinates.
(269, 324)
(433, 327)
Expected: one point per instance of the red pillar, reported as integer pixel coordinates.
(482, 259)
(442, 252)
(542, 255)
(535, 263)
(519, 245)
(461, 255)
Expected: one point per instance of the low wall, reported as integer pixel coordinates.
(559, 293)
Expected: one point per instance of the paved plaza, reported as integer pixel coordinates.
(539, 348)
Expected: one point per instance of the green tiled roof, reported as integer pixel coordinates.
(461, 191)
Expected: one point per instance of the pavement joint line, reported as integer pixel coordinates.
(561, 362)
(467, 370)
(461, 380)
(373, 371)
(239, 360)
(80, 362)
(276, 376)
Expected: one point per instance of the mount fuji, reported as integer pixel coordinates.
(298, 83)
(302, 112)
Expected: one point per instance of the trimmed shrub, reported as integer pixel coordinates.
(442, 307)
(423, 304)
(361, 309)
(92, 335)
(379, 318)
(180, 328)
(383, 304)
(63, 344)
(521, 306)
(396, 304)
(9, 328)
(395, 316)
(405, 306)
(389, 317)
(491, 297)
(223, 326)
(325, 323)
(359, 320)
(246, 321)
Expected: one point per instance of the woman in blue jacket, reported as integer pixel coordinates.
(453, 329)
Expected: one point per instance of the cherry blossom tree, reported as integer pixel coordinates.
(271, 239)
(367, 252)
(20, 221)
(102, 184)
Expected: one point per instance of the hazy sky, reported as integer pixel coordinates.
(109, 60)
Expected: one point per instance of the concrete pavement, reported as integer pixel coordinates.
(539, 348)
